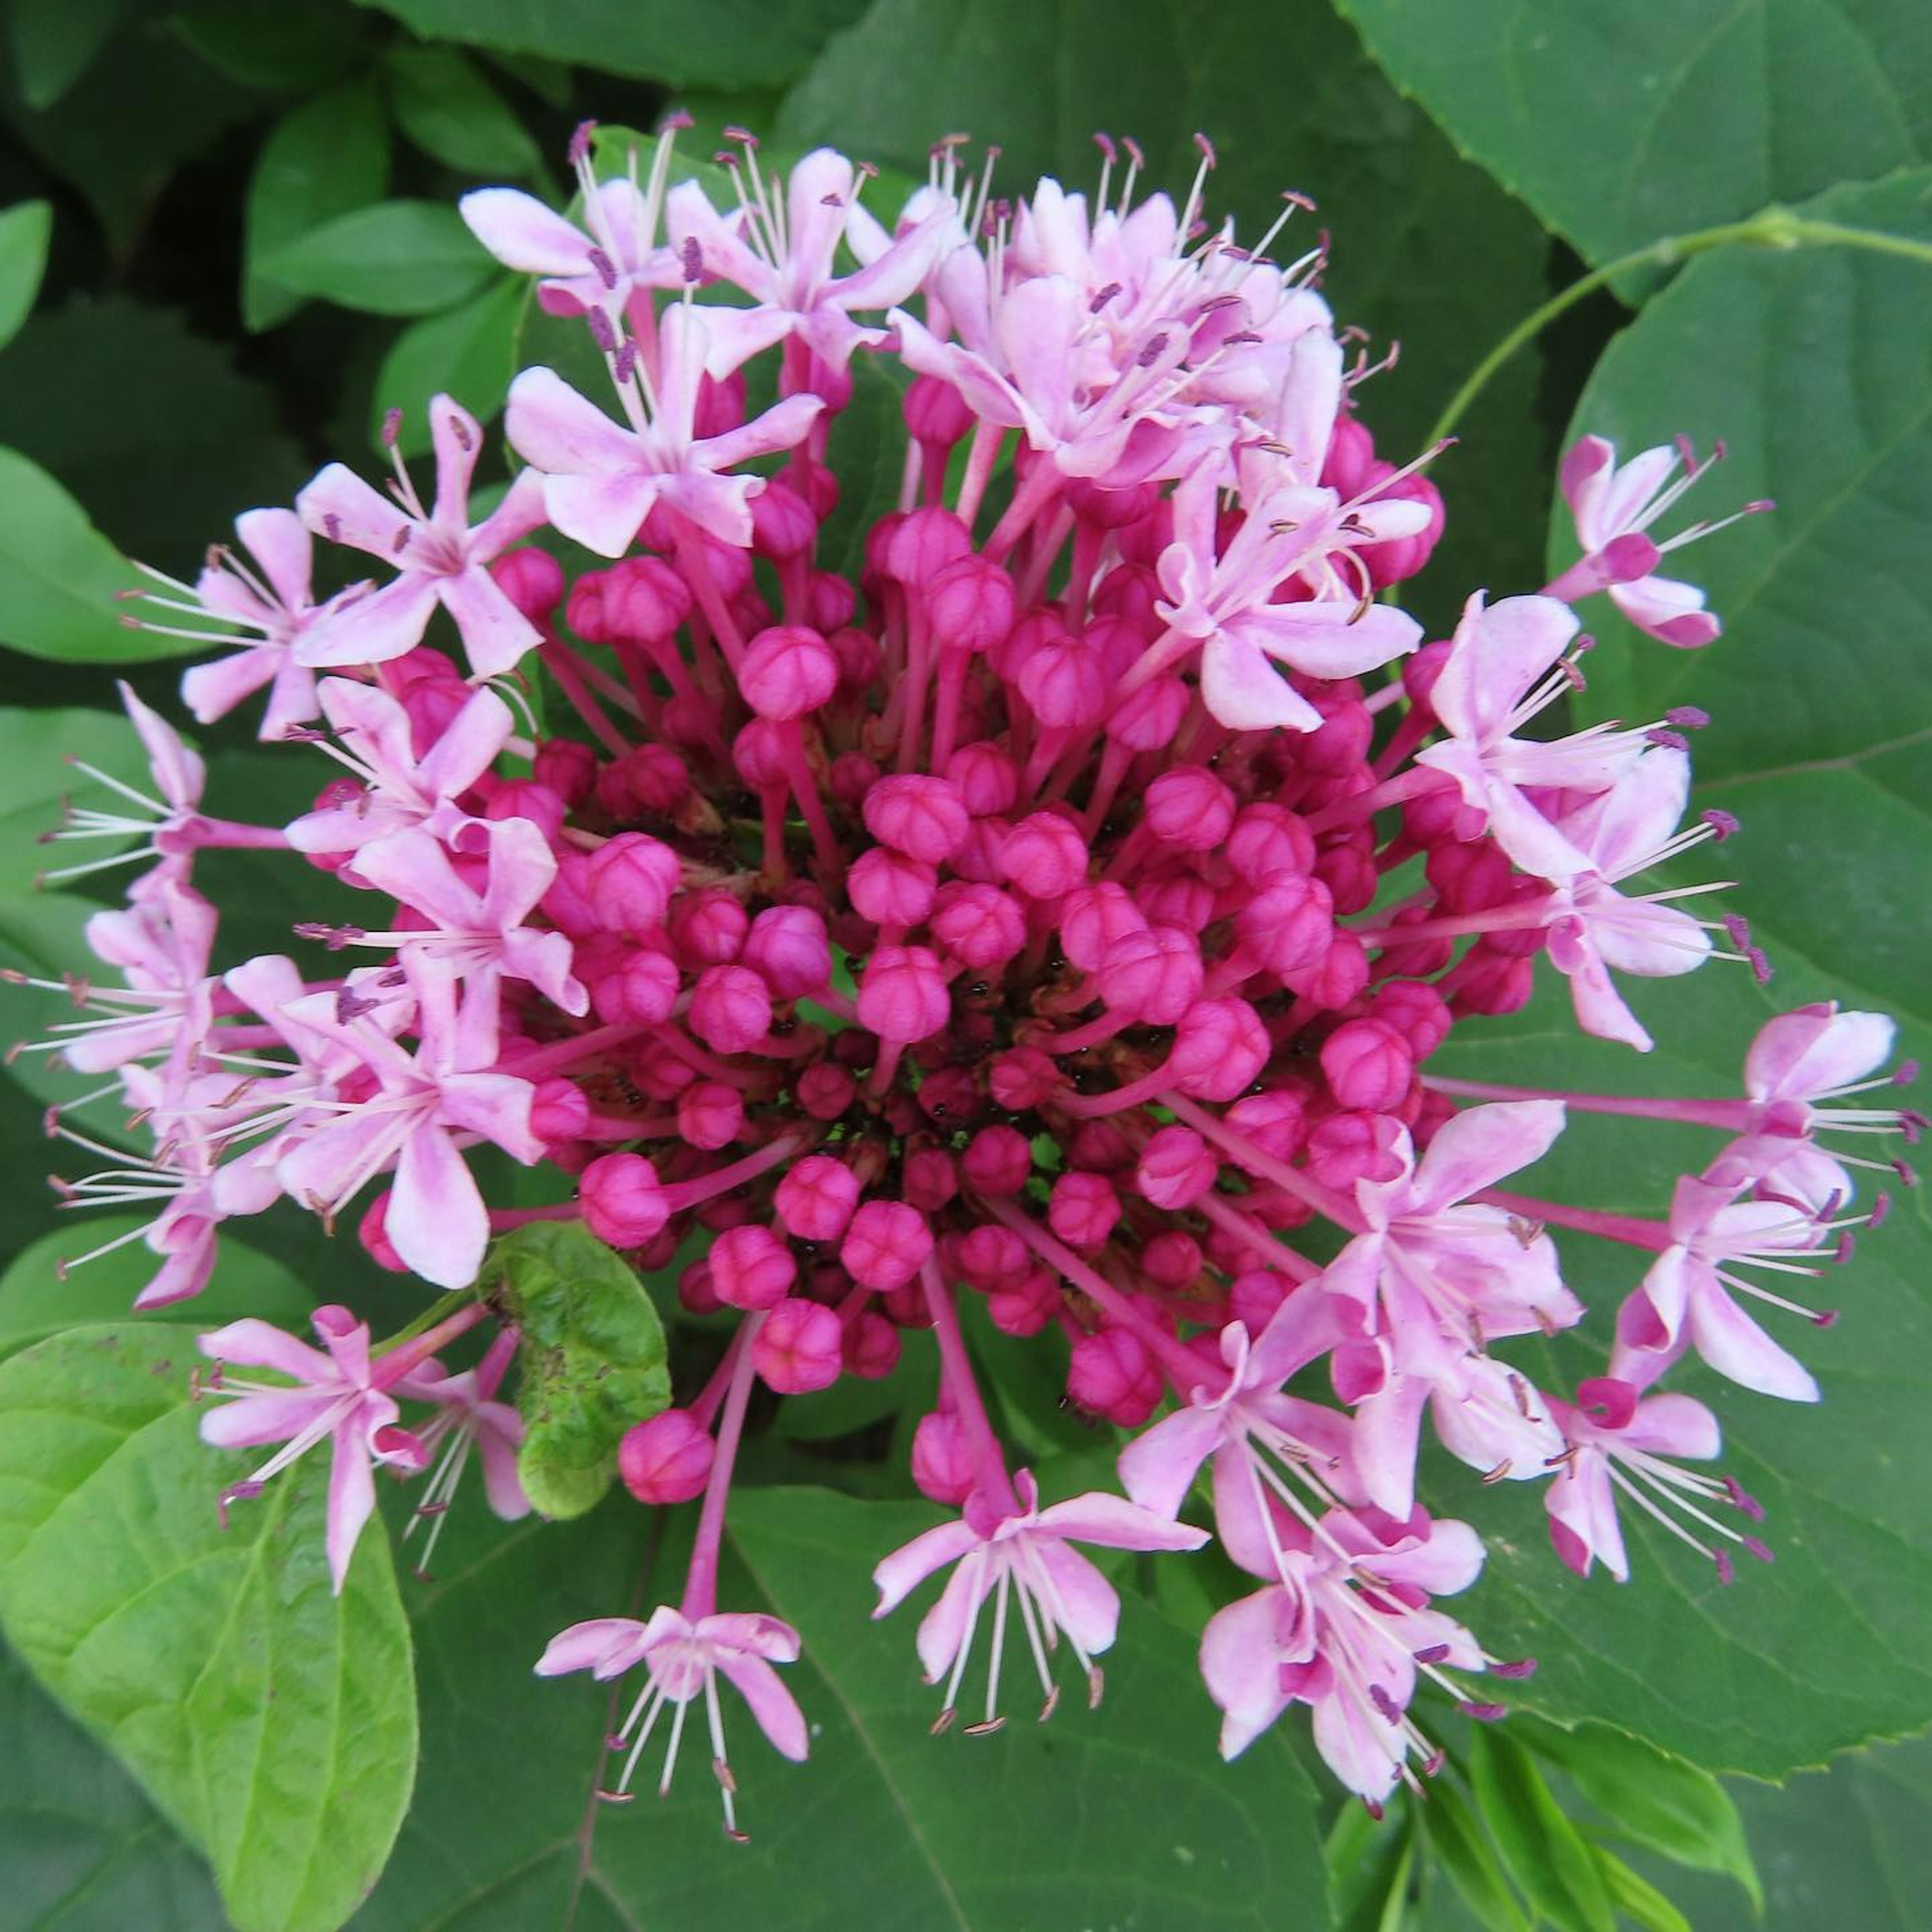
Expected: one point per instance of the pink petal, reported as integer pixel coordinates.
(282, 548)
(602, 512)
(338, 504)
(1589, 459)
(585, 1646)
(496, 1446)
(1081, 1601)
(901, 1573)
(1331, 640)
(1159, 1466)
(496, 634)
(437, 1221)
(248, 1421)
(1497, 654)
(1114, 1523)
(352, 1501)
(523, 234)
(1581, 1501)
(1479, 1146)
(784, 426)
(257, 1345)
(178, 772)
(520, 511)
(1362, 1748)
(1240, 1663)
(1243, 690)
(1737, 1348)
(371, 629)
(551, 426)
(943, 1629)
(211, 691)
(1801, 1055)
(689, 216)
(1674, 1425)
(755, 1631)
(774, 1707)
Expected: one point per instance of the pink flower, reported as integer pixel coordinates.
(683, 1660)
(1024, 1554)
(336, 1395)
(440, 558)
(601, 478)
(1346, 1630)
(468, 1417)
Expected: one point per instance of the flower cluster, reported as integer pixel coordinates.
(1057, 911)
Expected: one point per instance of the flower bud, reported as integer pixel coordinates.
(532, 580)
(640, 990)
(1368, 1066)
(886, 1245)
(1254, 1295)
(569, 768)
(1188, 809)
(1083, 1209)
(730, 1008)
(787, 948)
(935, 412)
(373, 1232)
(987, 780)
(1175, 1168)
(997, 1162)
(1021, 1077)
(925, 818)
(942, 1459)
(1269, 838)
(1172, 1260)
(1288, 922)
(667, 1460)
(788, 671)
(623, 1204)
(1066, 684)
(1045, 856)
(980, 926)
(798, 1348)
(923, 543)
(1220, 1047)
(629, 881)
(1092, 917)
(825, 1091)
(902, 995)
(816, 1198)
(1154, 976)
(784, 526)
(871, 1351)
(710, 1115)
(643, 602)
(751, 1267)
(1418, 1013)
(1348, 1147)
(889, 889)
(1109, 1373)
(559, 1112)
(1026, 1303)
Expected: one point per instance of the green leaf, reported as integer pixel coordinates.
(82, 1848)
(269, 1719)
(1408, 216)
(1546, 1854)
(724, 44)
(325, 158)
(1636, 1898)
(54, 42)
(1118, 1816)
(396, 258)
(1654, 1799)
(1456, 1839)
(1370, 1862)
(59, 577)
(24, 230)
(453, 114)
(287, 49)
(593, 1359)
(469, 351)
(38, 1299)
(1620, 124)
(150, 425)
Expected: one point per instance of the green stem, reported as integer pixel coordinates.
(442, 1306)
(1775, 227)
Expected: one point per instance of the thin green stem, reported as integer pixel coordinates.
(443, 1306)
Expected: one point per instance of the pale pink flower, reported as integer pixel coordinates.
(684, 1660)
(1026, 1555)
(441, 559)
(601, 478)
(468, 1417)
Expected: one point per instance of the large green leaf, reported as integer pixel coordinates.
(469, 352)
(1117, 1816)
(24, 230)
(447, 107)
(1408, 218)
(725, 44)
(1618, 124)
(270, 1720)
(59, 576)
(54, 41)
(394, 258)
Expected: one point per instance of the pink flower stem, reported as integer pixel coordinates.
(502, 1219)
(1653, 1236)
(534, 1065)
(1735, 1117)
(1418, 779)
(388, 1370)
(705, 1408)
(985, 453)
(1250, 1232)
(1500, 919)
(562, 665)
(1291, 1180)
(701, 1582)
(684, 1194)
(695, 568)
(1041, 487)
(233, 835)
(954, 667)
(962, 1391)
(805, 788)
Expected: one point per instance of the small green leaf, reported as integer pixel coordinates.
(1545, 1853)
(24, 230)
(59, 577)
(325, 158)
(1653, 1798)
(273, 1721)
(396, 258)
(449, 111)
(469, 353)
(290, 50)
(55, 42)
(1455, 1836)
(1636, 1898)
(1370, 1862)
(593, 1359)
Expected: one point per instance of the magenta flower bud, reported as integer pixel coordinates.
(1173, 1260)
(623, 1204)
(980, 926)
(532, 580)
(1110, 509)
(922, 544)
(1348, 869)
(902, 995)
(1397, 558)
(1151, 714)
(559, 1112)
(757, 756)
(1045, 856)
(1418, 1013)
(1220, 1047)
(721, 405)
(1093, 917)
(751, 1267)
(824, 1091)
(652, 778)
(1269, 838)
(860, 659)
(783, 525)
(1021, 1077)
(942, 1459)
(1434, 818)
(1346, 1148)
(1254, 1295)
(978, 859)
(1470, 877)
(709, 927)
(695, 1294)
(730, 1008)
(373, 1232)
(852, 775)
(786, 946)
(1368, 1066)
(1190, 809)
(1066, 683)
(1351, 451)
(936, 412)
(988, 782)
(886, 1245)
(640, 990)
(931, 1179)
(1129, 594)
(991, 1256)
(830, 602)
(871, 1350)
(969, 605)
(1176, 1167)
(889, 889)
(710, 1115)
(1178, 897)
(1153, 976)
(1109, 1373)
(1336, 978)
(629, 881)
(1099, 1146)
(788, 671)
(949, 1097)
(667, 1460)
(1288, 923)
(1493, 983)
(816, 1198)
(644, 600)
(925, 818)
(997, 1162)
(1024, 1305)
(1276, 1121)
(569, 768)
(1083, 1209)
(800, 1348)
